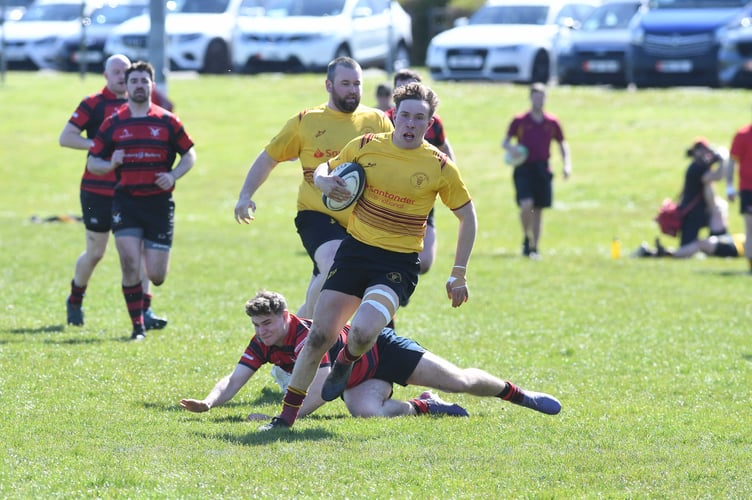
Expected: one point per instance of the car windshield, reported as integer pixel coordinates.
(612, 16)
(694, 4)
(317, 8)
(203, 6)
(510, 14)
(116, 14)
(52, 12)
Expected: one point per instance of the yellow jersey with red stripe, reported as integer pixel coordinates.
(401, 188)
(316, 135)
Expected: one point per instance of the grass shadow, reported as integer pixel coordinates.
(261, 438)
(78, 341)
(723, 272)
(39, 329)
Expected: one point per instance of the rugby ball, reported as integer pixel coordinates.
(516, 155)
(355, 179)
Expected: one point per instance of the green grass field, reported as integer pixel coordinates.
(651, 359)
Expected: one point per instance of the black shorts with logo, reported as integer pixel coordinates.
(315, 229)
(398, 357)
(96, 211)
(151, 217)
(358, 266)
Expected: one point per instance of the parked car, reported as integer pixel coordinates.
(676, 42)
(735, 52)
(30, 42)
(295, 35)
(595, 53)
(509, 40)
(70, 54)
(198, 32)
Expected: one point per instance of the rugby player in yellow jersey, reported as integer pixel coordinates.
(376, 267)
(315, 135)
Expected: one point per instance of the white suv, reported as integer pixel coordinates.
(294, 35)
(199, 33)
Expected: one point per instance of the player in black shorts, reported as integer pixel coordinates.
(141, 142)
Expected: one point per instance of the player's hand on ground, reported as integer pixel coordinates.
(456, 287)
(194, 405)
(244, 210)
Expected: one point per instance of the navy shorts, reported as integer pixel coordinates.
(149, 217)
(398, 357)
(534, 181)
(96, 211)
(745, 202)
(358, 266)
(315, 229)
(726, 247)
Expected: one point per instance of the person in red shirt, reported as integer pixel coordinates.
(279, 337)
(741, 154)
(140, 143)
(535, 129)
(97, 191)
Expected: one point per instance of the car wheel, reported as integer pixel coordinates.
(541, 71)
(217, 58)
(401, 58)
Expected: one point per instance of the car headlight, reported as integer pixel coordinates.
(433, 53)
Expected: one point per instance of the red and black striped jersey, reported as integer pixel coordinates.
(88, 117)
(257, 353)
(151, 144)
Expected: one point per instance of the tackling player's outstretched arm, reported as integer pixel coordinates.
(224, 391)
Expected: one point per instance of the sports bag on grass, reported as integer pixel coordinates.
(670, 217)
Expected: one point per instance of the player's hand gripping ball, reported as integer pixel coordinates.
(355, 179)
(516, 155)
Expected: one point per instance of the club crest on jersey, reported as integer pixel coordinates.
(418, 180)
(155, 131)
